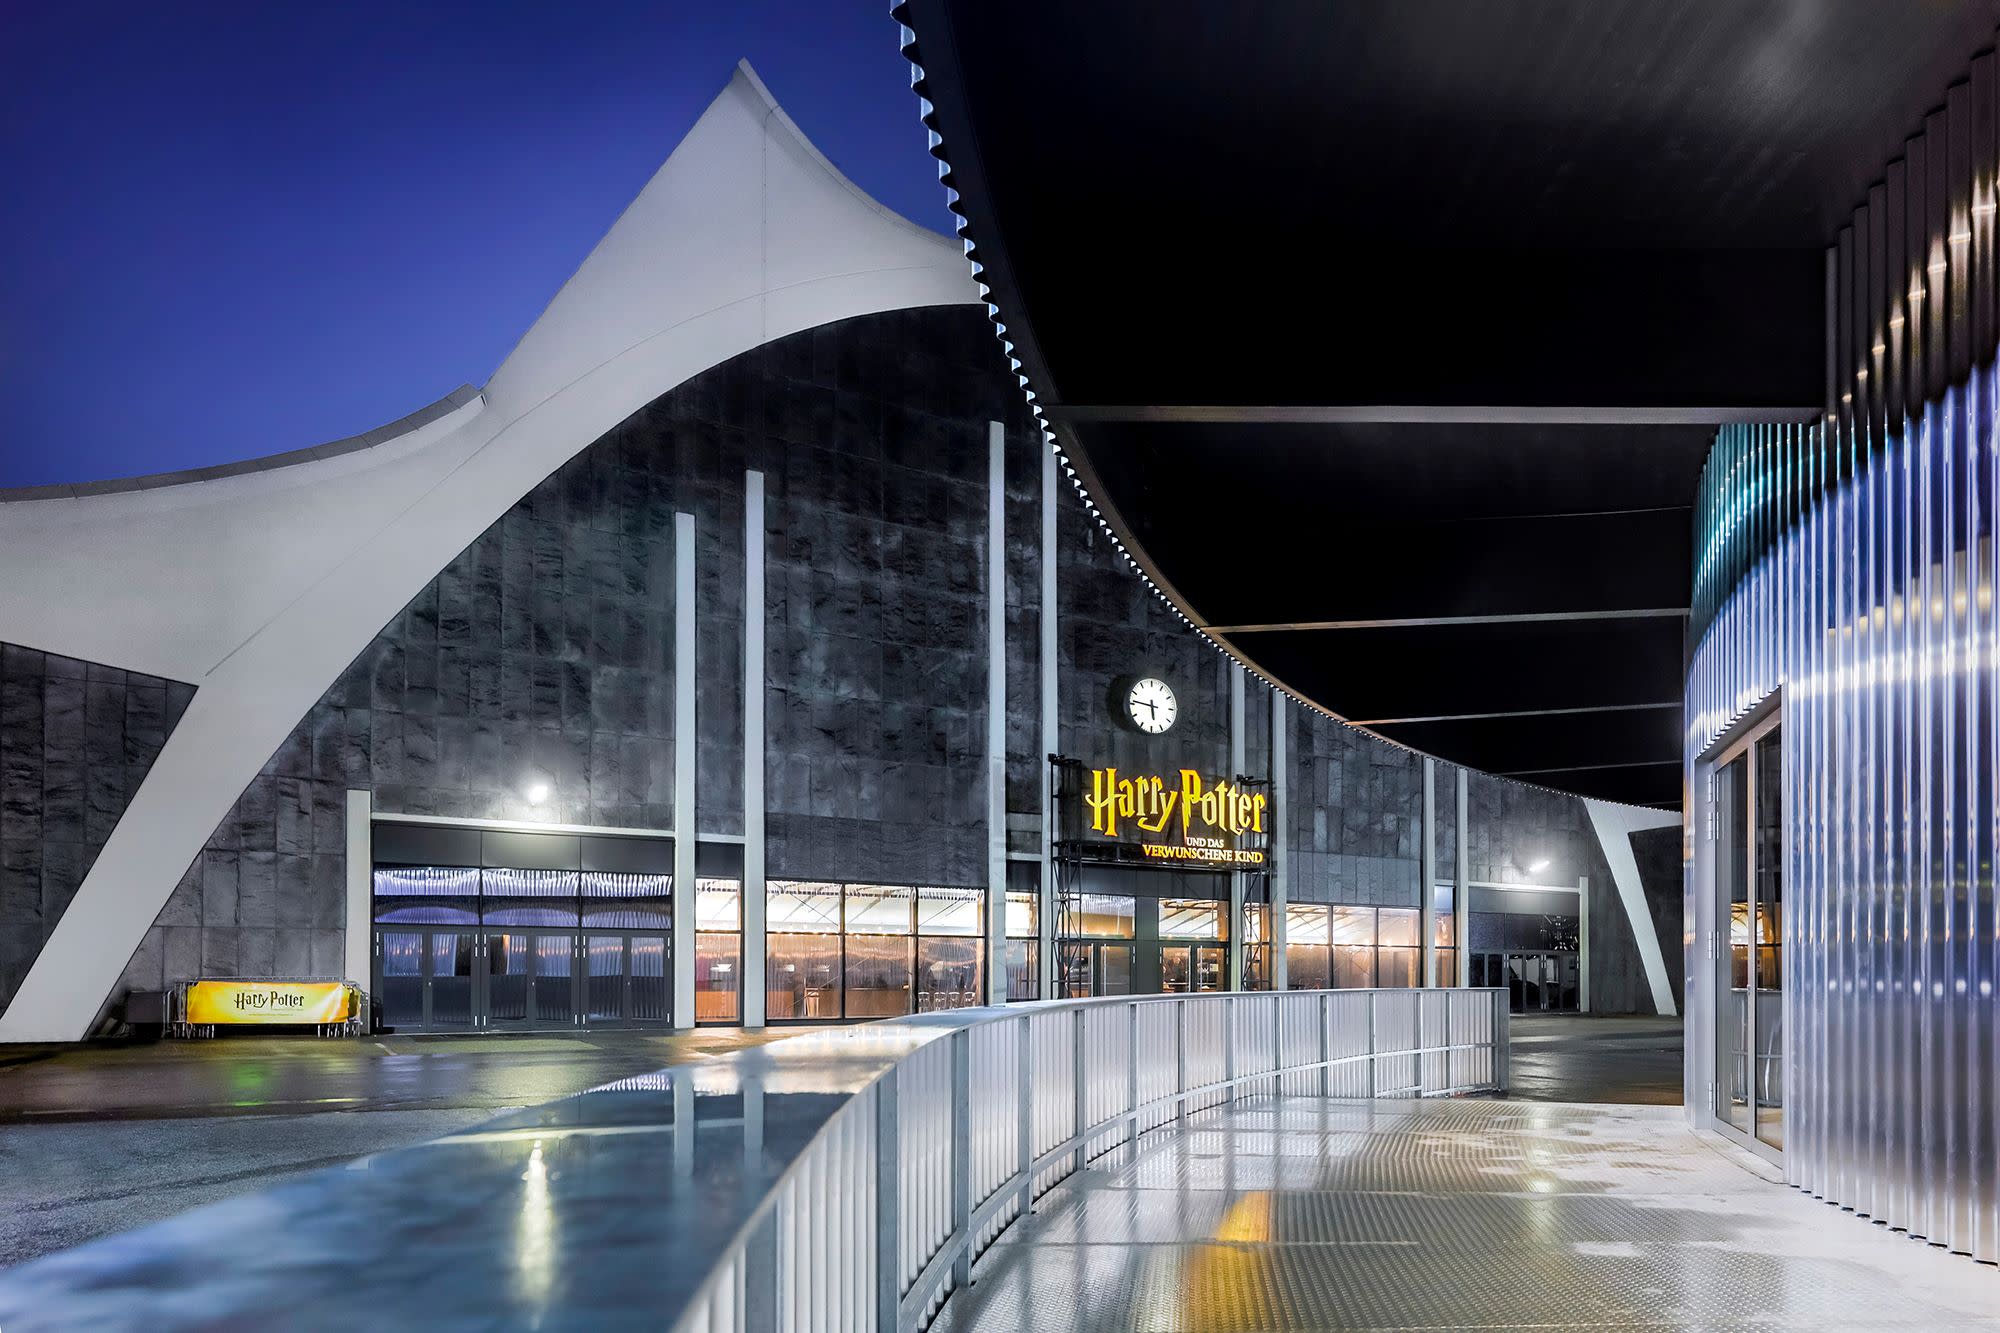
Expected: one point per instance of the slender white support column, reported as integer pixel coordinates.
(1281, 868)
(1045, 911)
(1235, 876)
(358, 948)
(1461, 887)
(753, 749)
(1427, 874)
(996, 712)
(1583, 944)
(684, 761)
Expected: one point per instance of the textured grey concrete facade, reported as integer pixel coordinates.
(1356, 823)
(76, 740)
(545, 654)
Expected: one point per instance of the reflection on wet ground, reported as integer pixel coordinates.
(1311, 1214)
(99, 1139)
(1581, 1058)
(254, 1075)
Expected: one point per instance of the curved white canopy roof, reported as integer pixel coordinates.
(260, 585)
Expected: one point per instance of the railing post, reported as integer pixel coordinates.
(961, 1156)
(1277, 1045)
(888, 1210)
(1371, 1045)
(1500, 1071)
(1132, 1077)
(761, 1278)
(1229, 1045)
(1024, 1085)
(1325, 1046)
(1079, 1071)
(1180, 1059)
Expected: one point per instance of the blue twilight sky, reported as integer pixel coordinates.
(228, 230)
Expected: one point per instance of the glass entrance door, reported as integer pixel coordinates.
(428, 980)
(1088, 969)
(1747, 936)
(1188, 968)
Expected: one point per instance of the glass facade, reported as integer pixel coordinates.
(860, 951)
(1024, 953)
(718, 950)
(459, 948)
(1345, 946)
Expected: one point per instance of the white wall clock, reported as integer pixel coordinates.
(1151, 705)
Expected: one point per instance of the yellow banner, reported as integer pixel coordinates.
(269, 1002)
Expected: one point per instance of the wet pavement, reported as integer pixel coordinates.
(101, 1138)
(296, 1075)
(1453, 1214)
(1580, 1058)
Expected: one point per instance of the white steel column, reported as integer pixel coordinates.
(1235, 876)
(1281, 869)
(359, 945)
(1427, 873)
(753, 749)
(1045, 914)
(996, 712)
(1461, 887)
(684, 761)
(1583, 944)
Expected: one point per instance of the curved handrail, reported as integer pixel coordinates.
(844, 1178)
(940, 1179)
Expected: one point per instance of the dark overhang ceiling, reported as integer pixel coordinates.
(1391, 336)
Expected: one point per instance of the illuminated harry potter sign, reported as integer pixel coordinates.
(1186, 819)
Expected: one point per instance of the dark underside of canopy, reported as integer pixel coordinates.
(1391, 337)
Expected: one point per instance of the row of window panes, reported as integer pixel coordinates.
(573, 899)
(1334, 947)
(1113, 917)
(871, 951)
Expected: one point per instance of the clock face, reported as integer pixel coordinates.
(1152, 705)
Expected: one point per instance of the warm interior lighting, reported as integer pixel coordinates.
(1883, 347)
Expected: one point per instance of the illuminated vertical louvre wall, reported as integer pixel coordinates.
(1848, 567)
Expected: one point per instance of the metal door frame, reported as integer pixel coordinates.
(1742, 745)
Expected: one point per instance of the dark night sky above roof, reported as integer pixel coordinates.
(1605, 219)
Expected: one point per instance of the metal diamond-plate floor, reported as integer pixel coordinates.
(1312, 1214)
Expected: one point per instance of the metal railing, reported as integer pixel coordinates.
(881, 1216)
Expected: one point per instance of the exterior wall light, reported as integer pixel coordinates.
(538, 791)
(1538, 867)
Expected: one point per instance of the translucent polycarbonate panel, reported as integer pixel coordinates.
(1398, 926)
(1861, 603)
(1306, 923)
(1309, 966)
(802, 976)
(950, 911)
(878, 975)
(1193, 919)
(1354, 925)
(1101, 914)
(948, 972)
(718, 904)
(799, 907)
(426, 895)
(718, 976)
(880, 910)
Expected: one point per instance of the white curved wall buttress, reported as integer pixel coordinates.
(746, 234)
